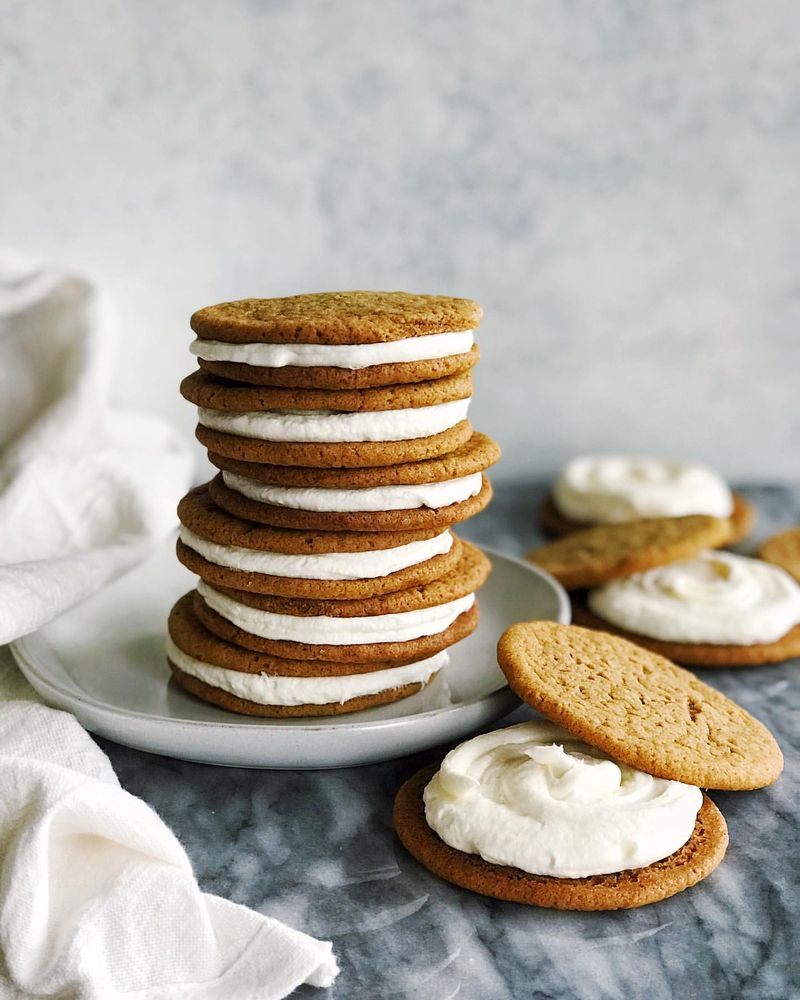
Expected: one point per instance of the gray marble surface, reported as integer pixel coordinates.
(316, 849)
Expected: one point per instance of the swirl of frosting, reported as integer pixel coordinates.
(535, 797)
(717, 597)
(601, 489)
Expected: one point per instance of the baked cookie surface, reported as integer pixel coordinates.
(637, 706)
(356, 317)
(606, 552)
(635, 887)
(476, 454)
(740, 523)
(783, 550)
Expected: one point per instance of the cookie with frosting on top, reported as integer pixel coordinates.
(608, 489)
(338, 339)
(718, 609)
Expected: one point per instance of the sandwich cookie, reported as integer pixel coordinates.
(593, 556)
(600, 807)
(608, 489)
(334, 340)
(227, 551)
(784, 550)
(716, 610)
(403, 626)
(252, 683)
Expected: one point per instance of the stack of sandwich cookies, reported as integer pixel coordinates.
(613, 489)
(600, 807)
(329, 577)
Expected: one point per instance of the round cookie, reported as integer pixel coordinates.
(634, 887)
(346, 378)
(403, 652)
(699, 654)
(408, 519)
(595, 555)
(783, 550)
(553, 522)
(339, 454)
(215, 393)
(357, 317)
(637, 706)
(477, 454)
(230, 702)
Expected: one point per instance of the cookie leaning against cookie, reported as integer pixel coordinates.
(334, 340)
(609, 551)
(716, 610)
(783, 550)
(544, 815)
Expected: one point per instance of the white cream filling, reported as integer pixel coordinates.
(329, 426)
(718, 598)
(535, 797)
(322, 630)
(270, 689)
(374, 498)
(352, 356)
(324, 566)
(603, 489)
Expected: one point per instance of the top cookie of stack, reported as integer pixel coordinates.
(339, 420)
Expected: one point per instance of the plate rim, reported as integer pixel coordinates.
(26, 661)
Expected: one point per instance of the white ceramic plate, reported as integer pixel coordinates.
(104, 662)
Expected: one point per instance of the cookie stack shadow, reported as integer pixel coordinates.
(330, 579)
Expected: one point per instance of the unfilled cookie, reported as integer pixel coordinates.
(356, 317)
(635, 887)
(334, 455)
(409, 519)
(741, 521)
(637, 706)
(214, 393)
(783, 550)
(477, 454)
(609, 551)
(698, 654)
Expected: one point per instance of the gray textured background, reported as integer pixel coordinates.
(616, 182)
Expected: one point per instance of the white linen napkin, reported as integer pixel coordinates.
(97, 897)
(86, 490)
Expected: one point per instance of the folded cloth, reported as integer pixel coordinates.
(97, 897)
(86, 490)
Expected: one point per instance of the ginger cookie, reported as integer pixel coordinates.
(214, 393)
(358, 317)
(334, 454)
(477, 454)
(698, 654)
(637, 706)
(741, 521)
(631, 888)
(609, 551)
(294, 377)
(783, 550)
(409, 519)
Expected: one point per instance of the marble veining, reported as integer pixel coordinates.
(316, 849)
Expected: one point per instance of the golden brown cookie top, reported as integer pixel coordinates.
(216, 393)
(464, 578)
(478, 453)
(608, 551)
(783, 550)
(637, 706)
(335, 318)
(199, 514)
